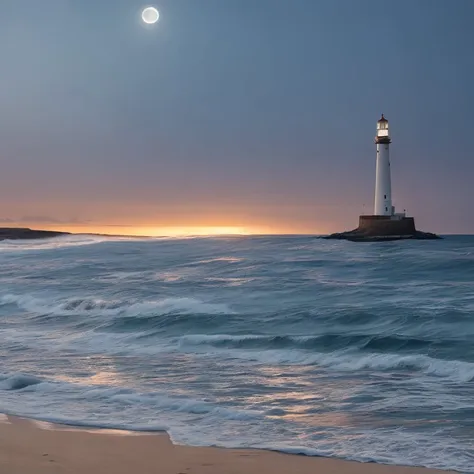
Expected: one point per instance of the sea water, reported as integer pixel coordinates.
(360, 351)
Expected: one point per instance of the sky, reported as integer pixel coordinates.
(254, 116)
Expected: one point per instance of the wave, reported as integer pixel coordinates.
(219, 260)
(54, 243)
(122, 397)
(73, 240)
(345, 360)
(17, 381)
(327, 342)
(455, 370)
(44, 421)
(99, 307)
(377, 446)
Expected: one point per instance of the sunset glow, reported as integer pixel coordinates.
(186, 231)
(151, 231)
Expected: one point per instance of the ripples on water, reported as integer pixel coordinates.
(359, 351)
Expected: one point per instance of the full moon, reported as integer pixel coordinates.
(150, 15)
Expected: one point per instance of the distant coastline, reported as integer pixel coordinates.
(25, 233)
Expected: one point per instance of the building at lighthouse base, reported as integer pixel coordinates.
(383, 228)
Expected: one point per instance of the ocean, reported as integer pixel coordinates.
(361, 351)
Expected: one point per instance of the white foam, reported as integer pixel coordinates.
(53, 242)
(96, 306)
(48, 422)
(73, 240)
(195, 407)
(4, 419)
(160, 401)
(221, 259)
(452, 369)
(344, 361)
(198, 339)
(393, 446)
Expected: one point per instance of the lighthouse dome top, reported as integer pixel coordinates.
(383, 119)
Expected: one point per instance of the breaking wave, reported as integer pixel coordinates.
(348, 359)
(327, 342)
(98, 307)
(123, 397)
(17, 381)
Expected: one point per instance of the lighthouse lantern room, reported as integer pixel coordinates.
(382, 128)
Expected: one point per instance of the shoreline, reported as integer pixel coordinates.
(34, 447)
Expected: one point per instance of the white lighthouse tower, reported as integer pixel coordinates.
(383, 185)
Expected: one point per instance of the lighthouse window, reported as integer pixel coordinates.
(385, 196)
(386, 209)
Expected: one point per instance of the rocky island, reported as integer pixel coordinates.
(384, 228)
(23, 233)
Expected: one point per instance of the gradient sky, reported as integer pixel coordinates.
(256, 114)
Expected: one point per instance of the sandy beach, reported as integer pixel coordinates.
(32, 447)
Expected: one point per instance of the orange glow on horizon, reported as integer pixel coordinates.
(156, 231)
(120, 218)
(149, 231)
(167, 231)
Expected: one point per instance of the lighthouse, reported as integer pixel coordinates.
(383, 184)
(385, 224)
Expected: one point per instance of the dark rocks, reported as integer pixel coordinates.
(383, 229)
(426, 236)
(359, 236)
(19, 233)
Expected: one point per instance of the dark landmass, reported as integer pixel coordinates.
(359, 236)
(18, 233)
(384, 228)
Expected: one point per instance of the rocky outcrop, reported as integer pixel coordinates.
(356, 236)
(20, 233)
(384, 228)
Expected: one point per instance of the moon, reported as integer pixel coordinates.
(150, 15)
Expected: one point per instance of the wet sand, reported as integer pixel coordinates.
(28, 447)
